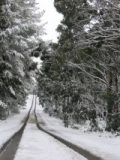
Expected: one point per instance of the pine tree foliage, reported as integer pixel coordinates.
(20, 30)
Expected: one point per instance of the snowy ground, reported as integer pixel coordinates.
(37, 145)
(105, 145)
(13, 123)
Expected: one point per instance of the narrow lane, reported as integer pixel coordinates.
(37, 145)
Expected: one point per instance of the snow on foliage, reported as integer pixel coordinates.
(18, 25)
(12, 90)
(3, 105)
(8, 74)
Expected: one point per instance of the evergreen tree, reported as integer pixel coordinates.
(20, 30)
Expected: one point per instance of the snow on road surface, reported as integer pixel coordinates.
(13, 123)
(104, 145)
(37, 145)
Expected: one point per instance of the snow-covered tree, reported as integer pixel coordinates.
(20, 31)
(84, 64)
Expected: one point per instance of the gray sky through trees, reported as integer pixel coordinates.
(52, 17)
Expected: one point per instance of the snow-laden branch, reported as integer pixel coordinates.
(86, 72)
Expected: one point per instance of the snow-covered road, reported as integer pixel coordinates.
(37, 145)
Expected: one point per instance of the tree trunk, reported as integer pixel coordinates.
(110, 101)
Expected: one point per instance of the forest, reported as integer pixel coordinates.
(80, 74)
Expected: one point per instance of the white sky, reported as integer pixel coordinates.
(52, 17)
